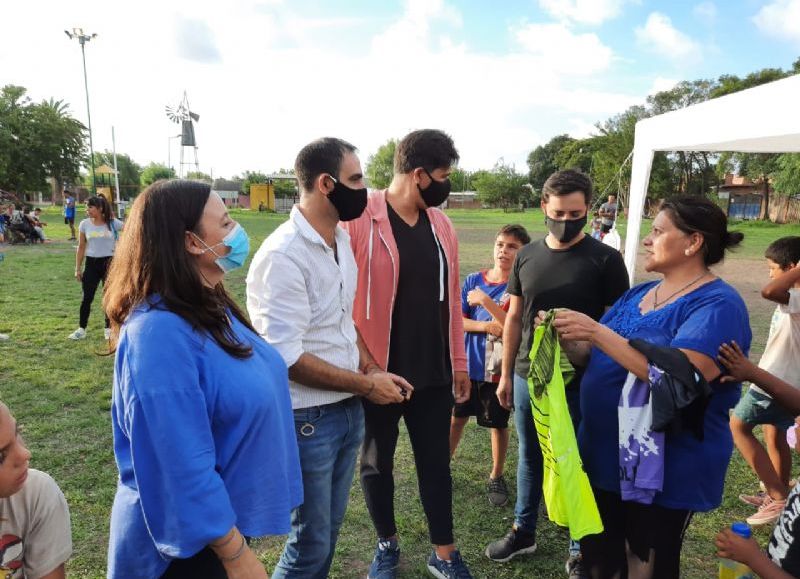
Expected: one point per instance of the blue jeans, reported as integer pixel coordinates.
(530, 466)
(328, 437)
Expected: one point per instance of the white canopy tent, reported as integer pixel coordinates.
(764, 119)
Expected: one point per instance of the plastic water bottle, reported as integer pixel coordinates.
(729, 569)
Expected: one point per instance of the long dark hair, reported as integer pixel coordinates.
(104, 206)
(151, 258)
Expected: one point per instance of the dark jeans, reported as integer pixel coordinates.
(638, 541)
(203, 564)
(95, 271)
(427, 418)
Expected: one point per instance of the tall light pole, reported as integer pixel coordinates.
(82, 38)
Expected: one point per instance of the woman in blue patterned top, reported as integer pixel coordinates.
(690, 309)
(203, 428)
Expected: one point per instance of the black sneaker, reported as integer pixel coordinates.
(575, 567)
(516, 542)
(497, 491)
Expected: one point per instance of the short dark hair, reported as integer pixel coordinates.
(516, 231)
(784, 251)
(694, 214)
(427, 148)
(566, 182)
(321, 156)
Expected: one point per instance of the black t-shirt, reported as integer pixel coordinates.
(784, 547)
(419, 347)
(586, 277)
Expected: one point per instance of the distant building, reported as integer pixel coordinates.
(230, 192)
(463, 200)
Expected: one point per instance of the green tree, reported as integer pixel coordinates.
(787, 177)
(501, 186)
(285, 188)
(37, 141)
(251, 177)
(542, 160)
(199, 176)
(460, 180)
(577, 154)
(380, 166)
(155, 171)
(130, 172)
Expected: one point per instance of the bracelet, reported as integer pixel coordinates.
(225, 542)
(237, 554)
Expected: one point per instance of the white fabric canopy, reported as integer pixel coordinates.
(764, 119)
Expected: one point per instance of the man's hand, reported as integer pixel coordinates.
(462, 387)
(735, 547)
(388, 388)
(505, 392)
(739, 367)
(78, 275)
(494, 328)
(476, 297)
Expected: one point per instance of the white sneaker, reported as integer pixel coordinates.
(107, 333)
(4, 337)
(78, 334)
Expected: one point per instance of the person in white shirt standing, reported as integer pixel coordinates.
(300, 291)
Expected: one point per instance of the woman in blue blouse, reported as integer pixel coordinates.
(693, 310)
(203, 429)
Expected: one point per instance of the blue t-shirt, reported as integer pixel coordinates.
(203, 441)
(476, 341)
(69, 207)
(694, 471)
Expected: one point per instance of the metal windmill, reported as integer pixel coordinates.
(186, 118)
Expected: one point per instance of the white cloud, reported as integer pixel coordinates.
(659, 35)
(780, 19)
(561, 49)
(286, 77)
(661, 84)
(592, 12)
(705, 11)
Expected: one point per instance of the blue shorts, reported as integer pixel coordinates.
(756, 408)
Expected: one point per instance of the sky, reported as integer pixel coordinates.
(269, 76)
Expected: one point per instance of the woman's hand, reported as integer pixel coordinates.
(494, 328)
(739, 367)
(245, 567)
(476, 297)
(575, 326)
(735, 547)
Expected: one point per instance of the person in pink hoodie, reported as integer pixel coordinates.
(408, 311)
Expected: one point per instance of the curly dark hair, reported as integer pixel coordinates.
(427, 148)
(566, 182)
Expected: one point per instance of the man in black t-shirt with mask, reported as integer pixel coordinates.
(566, 269)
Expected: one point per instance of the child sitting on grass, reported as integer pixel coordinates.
(781, 358)
(35, 536)
(782, 557)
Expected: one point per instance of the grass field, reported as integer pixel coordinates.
(59, 391)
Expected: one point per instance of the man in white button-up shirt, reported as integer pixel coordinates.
(300, 291)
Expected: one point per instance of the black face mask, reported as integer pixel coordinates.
(566, 229)
(436, 193)
(350, 203)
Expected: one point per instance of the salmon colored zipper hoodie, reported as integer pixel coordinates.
(378, 262)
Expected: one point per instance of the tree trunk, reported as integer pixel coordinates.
(766, 198)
